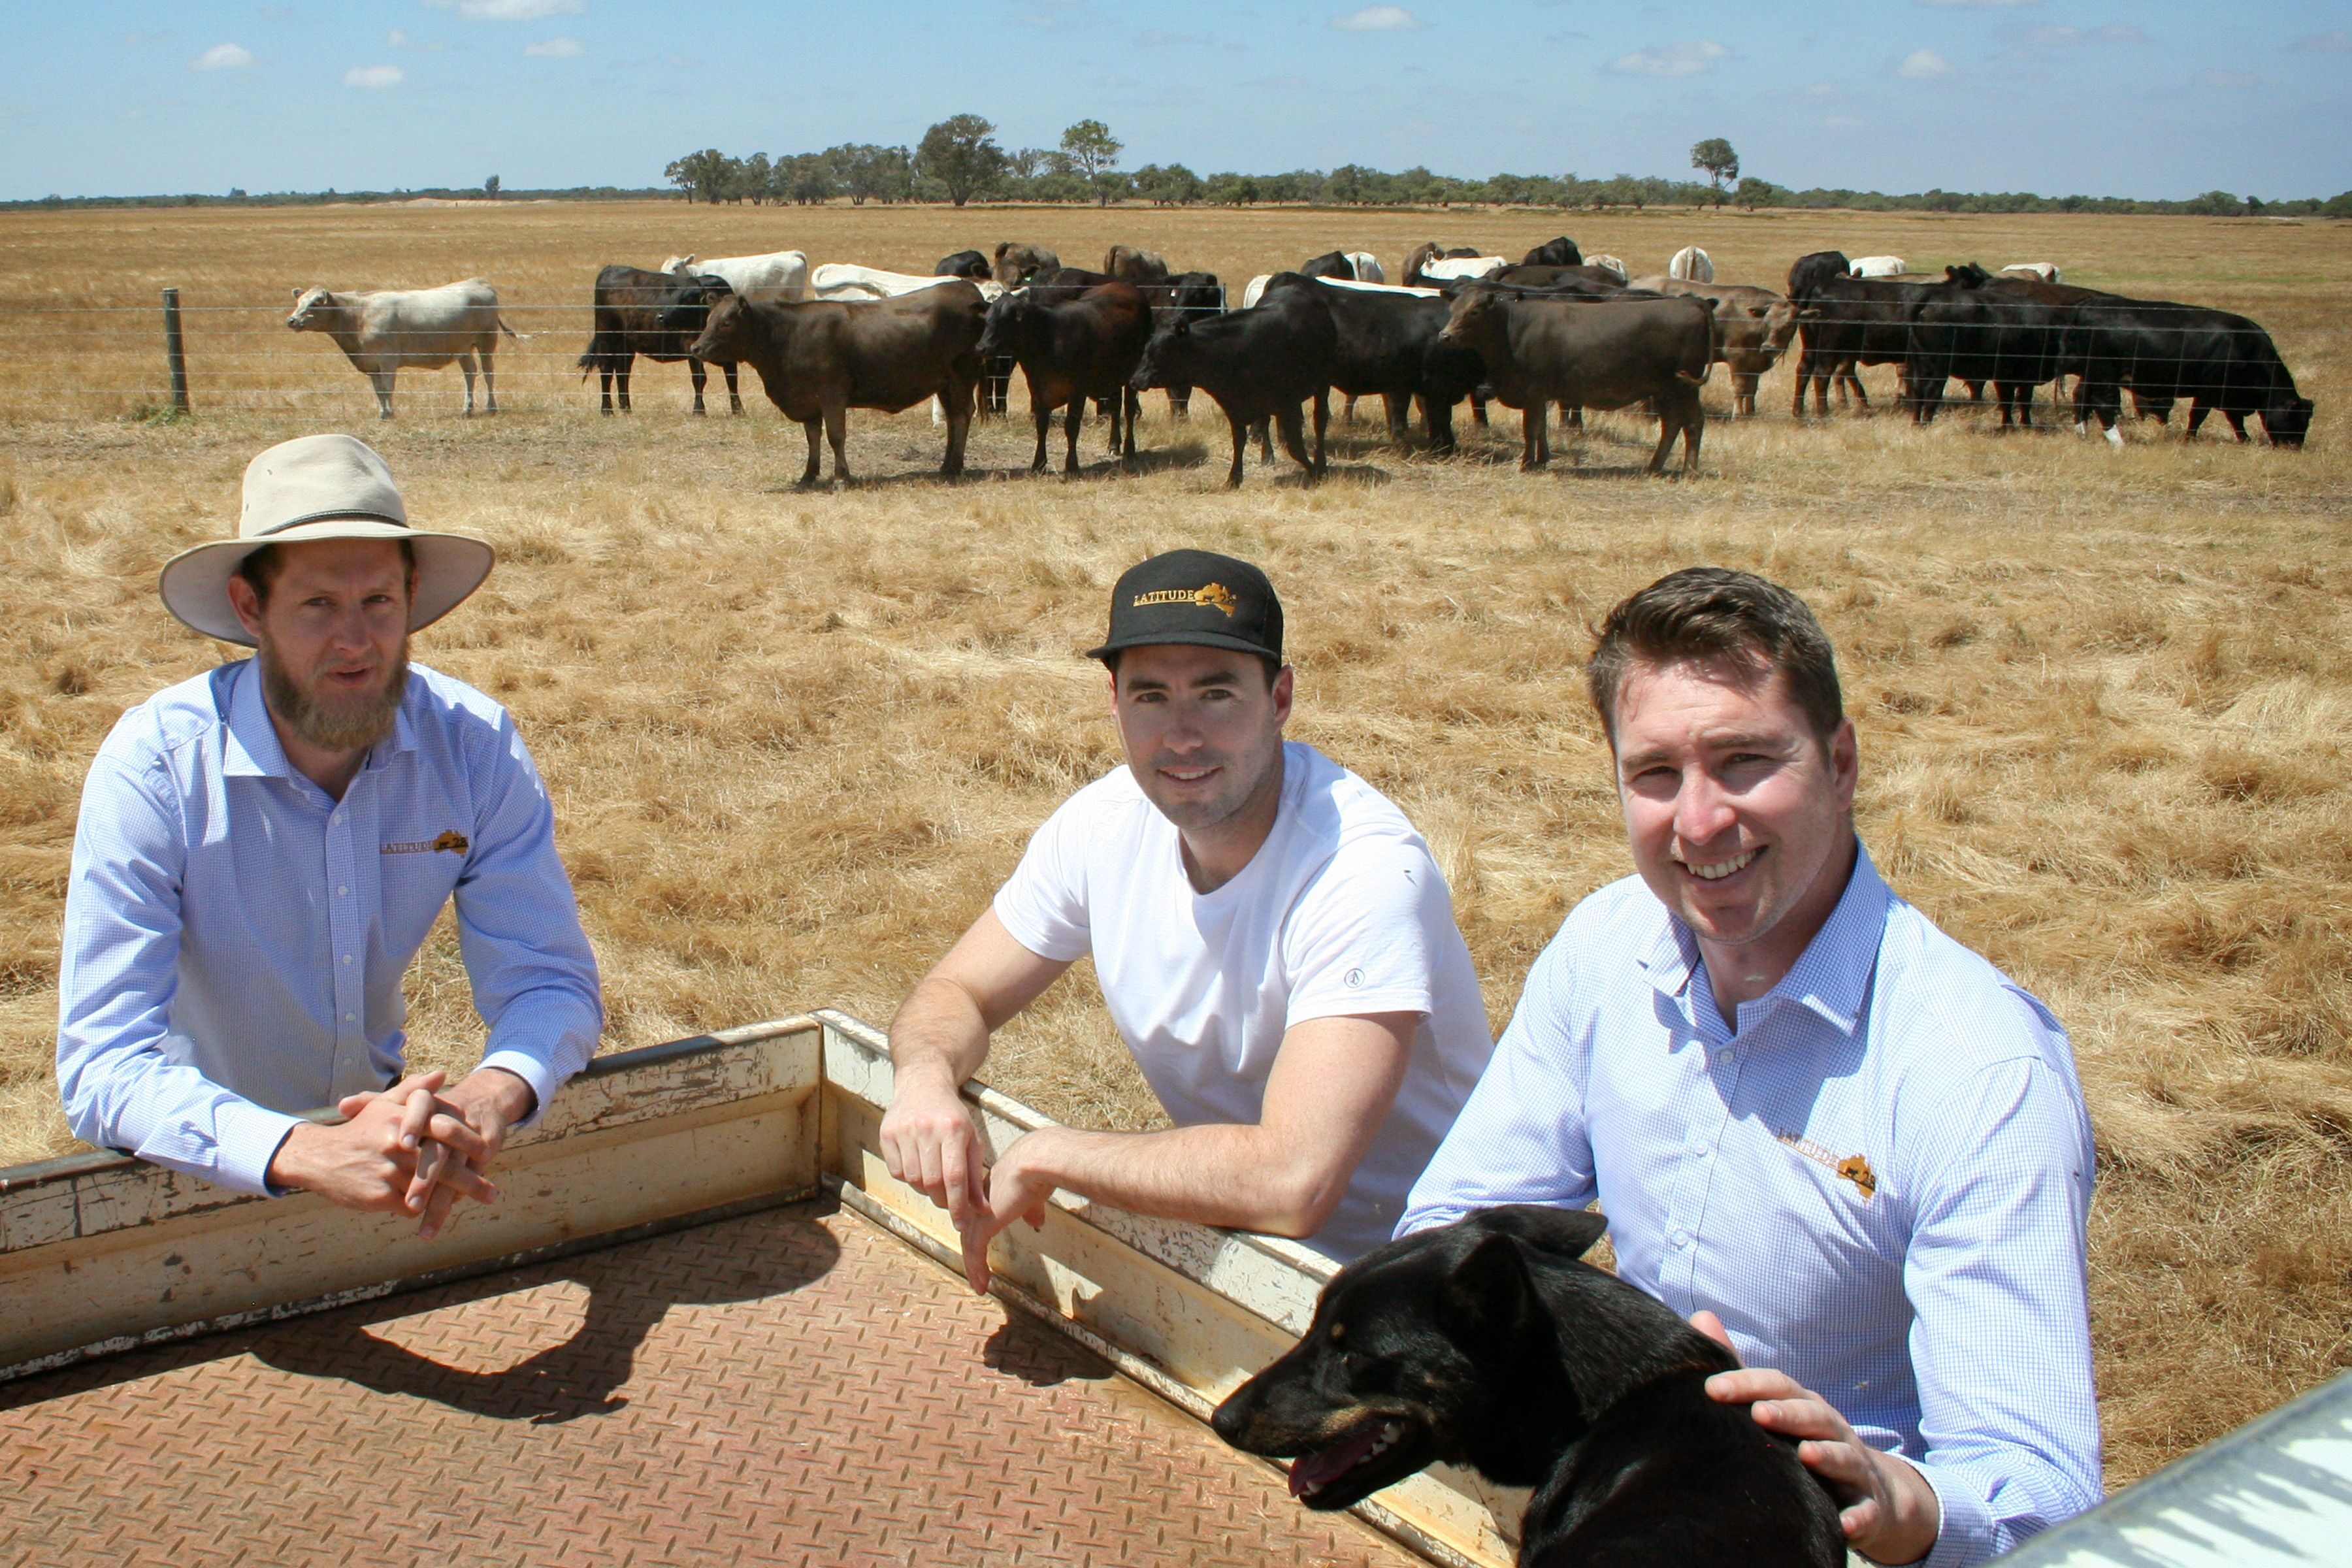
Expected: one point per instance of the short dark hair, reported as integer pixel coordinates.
(260, 569)
(1267, 661)
(1708, 614)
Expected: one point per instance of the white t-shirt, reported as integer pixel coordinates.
(1340, 913)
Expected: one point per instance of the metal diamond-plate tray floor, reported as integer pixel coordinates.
(792, 1387)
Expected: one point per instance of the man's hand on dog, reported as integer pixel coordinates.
(1889, 1512)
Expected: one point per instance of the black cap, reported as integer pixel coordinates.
(1195, 596)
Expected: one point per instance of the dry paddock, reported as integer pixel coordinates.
(796, 737)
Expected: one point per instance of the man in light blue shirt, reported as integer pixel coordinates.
(261, 851)
(1836, 1139)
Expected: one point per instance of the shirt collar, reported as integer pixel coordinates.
(253, 750)
(1832, 976)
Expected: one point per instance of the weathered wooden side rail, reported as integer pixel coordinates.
(100, 1253)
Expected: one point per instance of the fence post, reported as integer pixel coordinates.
(174, 353)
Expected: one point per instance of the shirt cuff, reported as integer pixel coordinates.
(533, 1072)
(1967, 1532)
(248, 1137)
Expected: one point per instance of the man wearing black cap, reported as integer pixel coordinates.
(1274, 942)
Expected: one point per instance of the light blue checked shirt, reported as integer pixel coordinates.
(1878, 1178)
(234, 938)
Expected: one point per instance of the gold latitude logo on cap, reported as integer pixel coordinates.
(1216, 597)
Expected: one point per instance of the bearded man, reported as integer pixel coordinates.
(1275, 944)
(262, 849)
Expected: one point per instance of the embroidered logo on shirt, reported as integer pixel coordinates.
(1854, 1168)
(1216, 597)
(451, 839)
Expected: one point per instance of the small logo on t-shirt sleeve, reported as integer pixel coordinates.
(1353, 980)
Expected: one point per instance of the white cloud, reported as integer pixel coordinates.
(1673, 60)
(1924, 65)
(222, 57)
(509, 10)
(2335, 42)
(555, 49)
(374, 77)
(1376, 19)
(397, 38)
(2233, 81)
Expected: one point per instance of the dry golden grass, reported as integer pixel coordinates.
(796, 739)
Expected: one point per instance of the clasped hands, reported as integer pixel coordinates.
(410, 1149)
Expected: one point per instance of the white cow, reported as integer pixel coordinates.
(1445, 268)
(1881, 267)
(381, 330)
(1609, 263)
(784, 272)
(1255, 290)
(2044, 270)
(1366, 266)
(847, 281)
(1378, 288)
(1692, 265)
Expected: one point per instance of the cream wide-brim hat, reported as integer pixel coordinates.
(312, 488)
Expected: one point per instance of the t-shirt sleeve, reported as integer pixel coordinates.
(1363, 936)
(1044, 902)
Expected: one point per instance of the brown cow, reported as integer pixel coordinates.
(1017, 263)
(1756, 327)
(1070, 351)
(1131, 266)
(1592, 353)
(820, 359)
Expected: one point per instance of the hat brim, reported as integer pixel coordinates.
(194, 582)
(1194, 639)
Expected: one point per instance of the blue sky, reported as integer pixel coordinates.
(2149, 99)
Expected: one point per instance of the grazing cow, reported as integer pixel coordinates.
(2042, 269)
(1610, 264)
(1754, 327)
(1187, 296)
(382, 330)
(1560, 252)
(1131, 266)
(1259, 363)
(1692, 265)
(779, 275)
(819, 359)
(657, 314)
(2222, 362)
(1593, 353)
(1017, 263)
(1842, 321)
(1881, 267)
(1071, 351)
(1980, 331)
(1387, 342)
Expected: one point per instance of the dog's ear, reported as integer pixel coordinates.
(1568, 1233)
(1489, 1292)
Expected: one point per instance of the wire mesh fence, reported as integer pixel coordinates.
(219, 353)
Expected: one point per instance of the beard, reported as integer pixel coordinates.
(334, 723)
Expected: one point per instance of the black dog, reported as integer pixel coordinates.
(1488, 1344)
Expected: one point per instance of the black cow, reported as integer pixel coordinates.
(1390, 345)
(1808, 272)
(1976, 330)
(657, 314)
(1568, 278)
(1189, 296)
(1560, 252)
(1330, 264)
(1843, 322)
(2161, 350)
(1071, 351)
(1261, 362)
(968, 264)
(997, 374)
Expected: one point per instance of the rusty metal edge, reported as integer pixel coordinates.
(64, 1167)
(1136, 1369)
(279, 1310)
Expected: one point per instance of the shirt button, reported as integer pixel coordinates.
(347, 958)
(1697, 1147)
(342, 892)
(1725, 1057)
(347, 1017)
(1681, 1239)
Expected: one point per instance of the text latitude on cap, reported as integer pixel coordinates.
(1216, 595)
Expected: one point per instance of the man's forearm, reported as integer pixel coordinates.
(938, 1035)
(1234, 1175)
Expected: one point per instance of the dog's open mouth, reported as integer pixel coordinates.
(1366, 1458)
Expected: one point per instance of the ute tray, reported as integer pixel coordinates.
(791, 1387)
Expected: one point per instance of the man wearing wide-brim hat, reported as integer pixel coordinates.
(262, 849)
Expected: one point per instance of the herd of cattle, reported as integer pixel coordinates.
(1555, 327)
